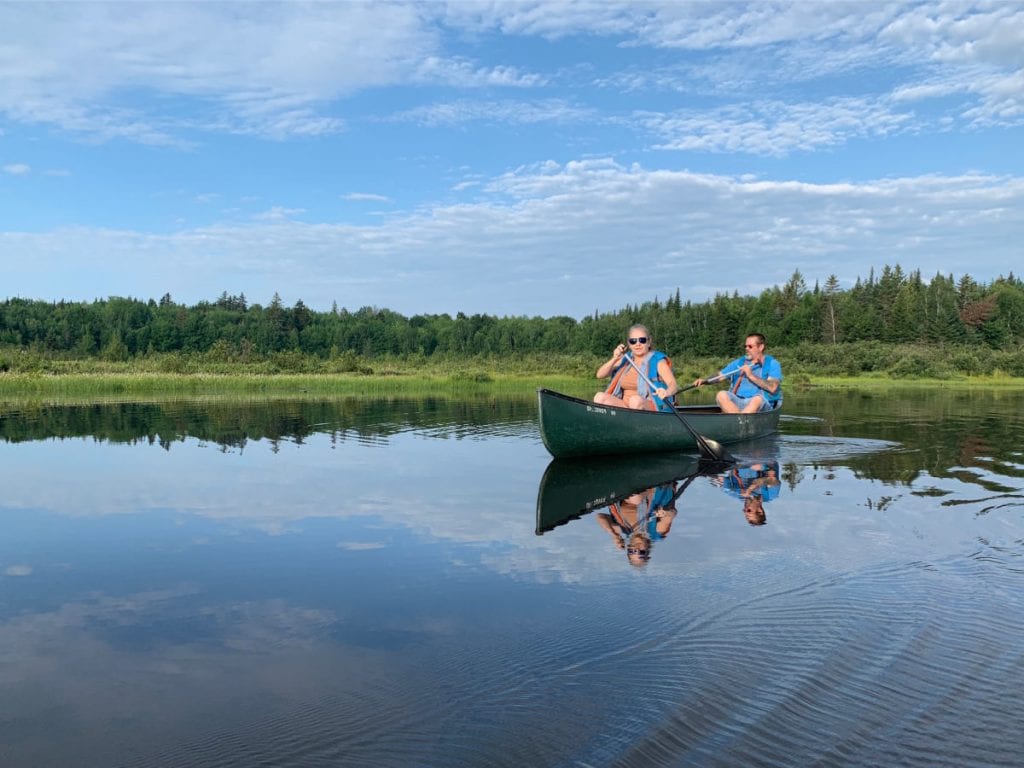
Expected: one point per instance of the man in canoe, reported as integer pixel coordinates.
(627, 388)
(755, 484)
(755, 380)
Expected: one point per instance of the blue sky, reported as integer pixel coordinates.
(513, 158)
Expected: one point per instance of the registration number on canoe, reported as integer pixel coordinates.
(595, 409)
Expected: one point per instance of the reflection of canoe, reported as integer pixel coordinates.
(574, 487)
(573, 427)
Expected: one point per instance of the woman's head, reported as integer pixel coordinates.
(639, 337)
(638, 550)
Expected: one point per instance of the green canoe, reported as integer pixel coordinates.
(570, 426)
(574, 487)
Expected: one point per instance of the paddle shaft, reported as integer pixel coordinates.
(702, 442)
(709, 380)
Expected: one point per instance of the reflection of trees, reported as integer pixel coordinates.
(231, 424)
(791, 475)
(965, 435)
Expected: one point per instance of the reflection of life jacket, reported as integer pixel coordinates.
(651, 501)
(653, 358)
(739, 479)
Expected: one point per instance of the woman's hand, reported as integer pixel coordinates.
(619, 352)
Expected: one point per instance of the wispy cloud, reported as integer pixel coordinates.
(17, 169)
(281, 70)
(462, 73)
(279, 213)
(696, 231)
(508, 111)
(265, 71)
(359, 197)
(774, 128)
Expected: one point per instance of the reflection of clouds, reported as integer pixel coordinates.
(18, 570)
(360, 546)
(478, 497)
(252, 626)
(238, 666)
(257, 627)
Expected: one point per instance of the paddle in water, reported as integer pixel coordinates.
(710, 449)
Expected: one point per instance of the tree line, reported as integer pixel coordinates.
(892, 307)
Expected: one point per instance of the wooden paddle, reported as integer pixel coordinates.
(710, 449)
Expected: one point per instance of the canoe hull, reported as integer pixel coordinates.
(570, 426)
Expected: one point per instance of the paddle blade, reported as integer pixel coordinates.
(713, 451)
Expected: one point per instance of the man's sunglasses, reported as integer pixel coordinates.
(638, 340)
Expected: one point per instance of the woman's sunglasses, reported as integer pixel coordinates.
(638, 340)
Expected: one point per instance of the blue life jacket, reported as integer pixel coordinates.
(743, 387)
(653, 358)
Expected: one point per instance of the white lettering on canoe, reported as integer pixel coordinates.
(595, 409)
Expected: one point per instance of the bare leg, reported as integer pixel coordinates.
(754, 405)
(638, 403)
(603, 398)
(725, 403)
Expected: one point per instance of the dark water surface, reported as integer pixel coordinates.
(362, 583)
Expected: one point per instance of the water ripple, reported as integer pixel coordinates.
(861, 671)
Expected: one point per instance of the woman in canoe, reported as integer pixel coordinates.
(639, 520)
(627, 388)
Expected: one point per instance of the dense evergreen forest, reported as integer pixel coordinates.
(889, 309)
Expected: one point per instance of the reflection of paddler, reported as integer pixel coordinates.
(639, 520)
(755, 484)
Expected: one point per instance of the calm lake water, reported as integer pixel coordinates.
(415, 583)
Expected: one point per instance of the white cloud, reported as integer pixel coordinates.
(18, 169)
(701, 232)
(366, 197)
(260, 68)
(694, 26)
(279, 213)
(435, 69)
(773, 128)
(278, 70)
(507, 111)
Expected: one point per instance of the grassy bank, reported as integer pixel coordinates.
(147, 384)
(85, 386)
(35, 376)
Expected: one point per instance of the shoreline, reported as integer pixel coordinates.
(150, 385)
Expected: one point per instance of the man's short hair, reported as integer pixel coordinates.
(759, 336)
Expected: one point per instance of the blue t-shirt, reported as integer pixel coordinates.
(769, 369)
(740, 479)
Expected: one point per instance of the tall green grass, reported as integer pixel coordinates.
(28, 374)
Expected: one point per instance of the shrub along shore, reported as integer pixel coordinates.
(863, 364)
